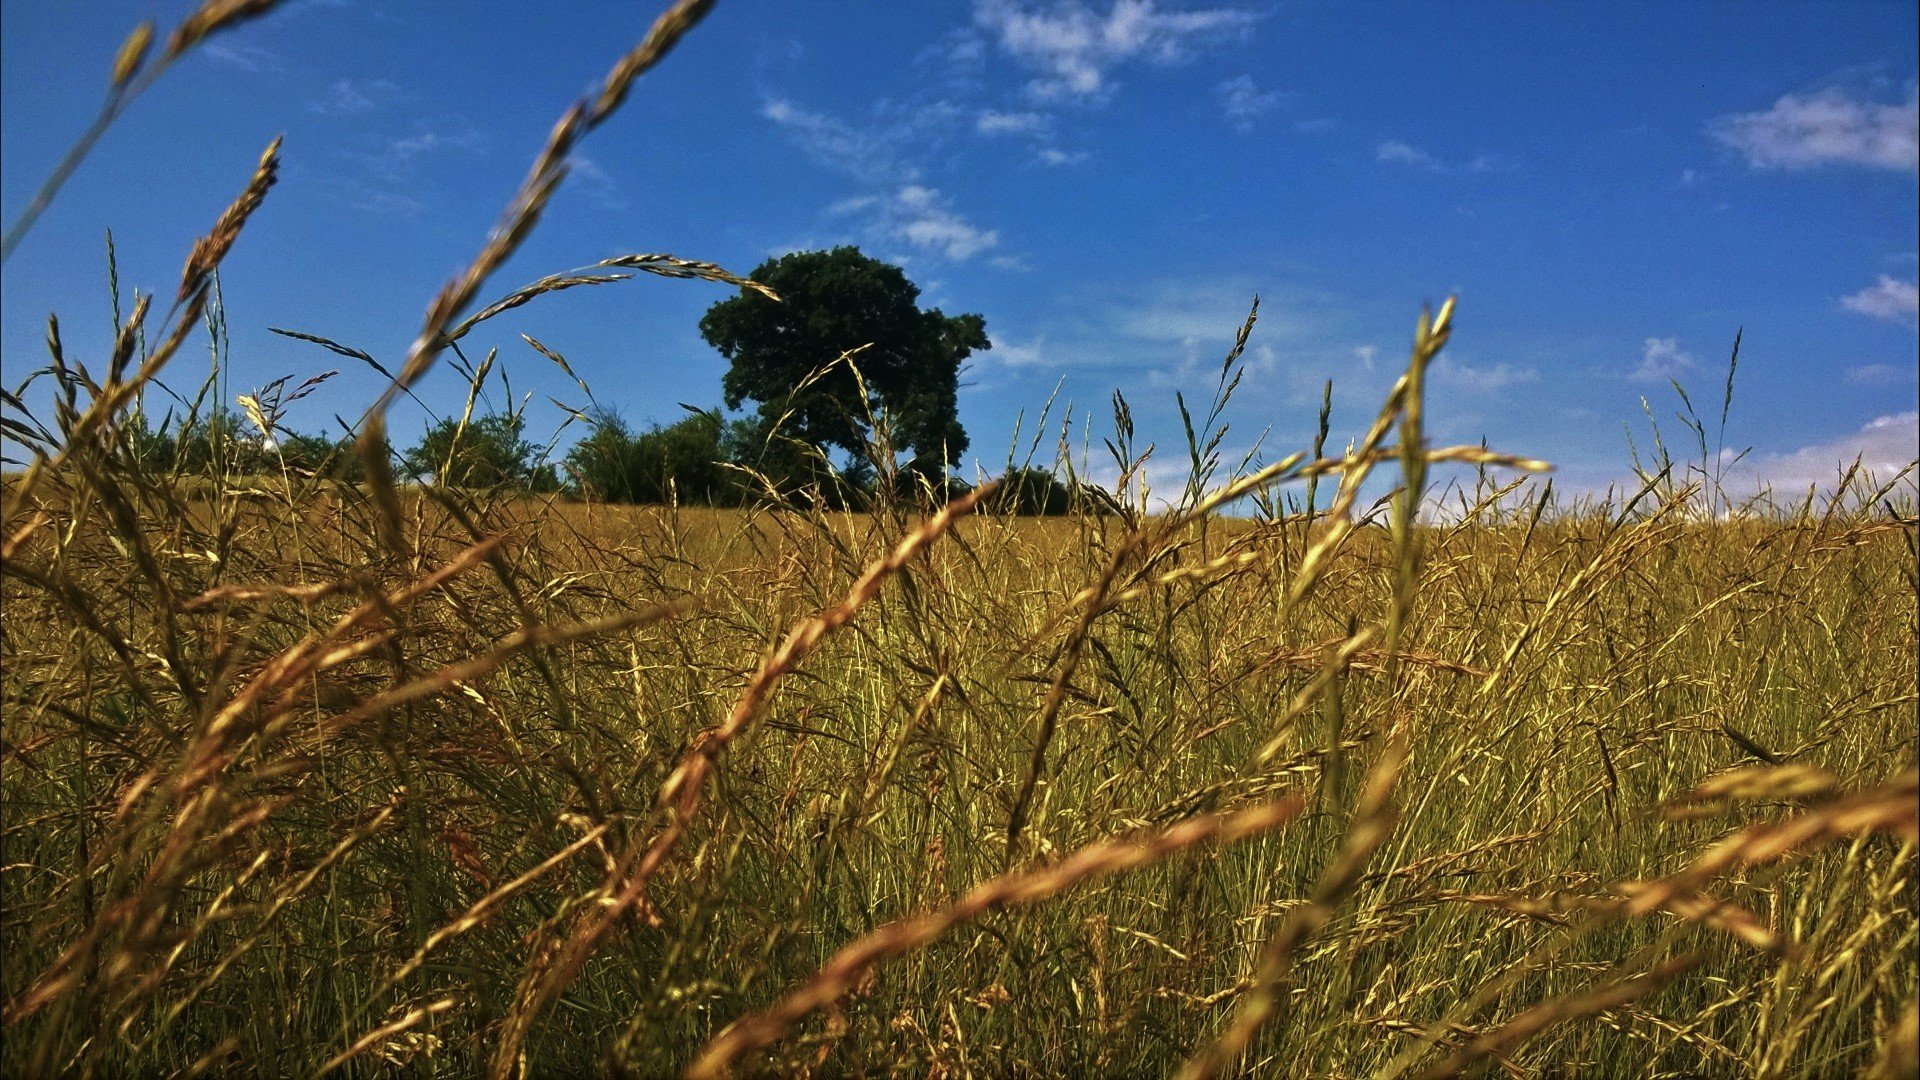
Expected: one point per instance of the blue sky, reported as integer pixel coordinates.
(1612, 190)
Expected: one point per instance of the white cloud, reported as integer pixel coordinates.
(1827, 127)
(1175, 332)
(868, 155)
(1660, 359)
(1074, 48)
(992, 122)
(898, 207)
(1884, 446)
(347, 97)
(1399, 153)
(1395, 152)
(1242, 101)
(920, 216)
(1450, 373)
(1018, 354)
(1879, 374)
(587, 175)
(408, 147)
(853, 204)
(1167, 315)
(923, 218)
(1056, 158)
(388, 177)
(1890, 299)
(375, 199)
(250, 58)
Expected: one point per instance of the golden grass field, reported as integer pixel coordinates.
(309, 778)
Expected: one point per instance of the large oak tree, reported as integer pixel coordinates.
(831, 303)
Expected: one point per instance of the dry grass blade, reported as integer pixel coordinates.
(239, 594)
(1899, 1057)
(1373, 823)
(477, 914)
(666, 32)
(384, 1032)
(512, 645)
(673, 267)
(131, 76)
(1610, 995)
(1891, 807)
(110, 400)
(1722, 915)
(549, 168)
(1785, 783)
(680, 794)
(551, 283)
(132, 55)
(211, 17)
(318, 651)
(1107, 857)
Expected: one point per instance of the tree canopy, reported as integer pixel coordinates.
(833, 302)
(486, 451)
(682, 461)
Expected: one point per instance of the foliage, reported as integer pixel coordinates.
(487, 451)
(221, 443)
(832, 303)
(681, 462)
(317, 455)
(1031, 491)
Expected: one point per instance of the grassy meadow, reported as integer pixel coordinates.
(1260, 776)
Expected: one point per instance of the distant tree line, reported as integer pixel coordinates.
(853, 395)
(703, 459)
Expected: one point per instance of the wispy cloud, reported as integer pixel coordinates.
(1022, 354)
(585, 175)
(921, 217)
(993, 122)
(864, 153)
(1661, 359)
(406, 148)
(1454, 374)
(1395, 152)
(897, 206)
(1173, 332)
(1399, 153)
(249, 58)
(387, 178)
(1827, 127)
(1879, 374)
(1889, 299)
(1243, 102)
(373, 195)
(1039, 129)
(1074, 48)
(347, 97)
